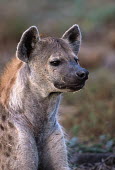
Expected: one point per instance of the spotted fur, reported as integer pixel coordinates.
(31, 137)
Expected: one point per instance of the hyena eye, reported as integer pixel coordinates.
(55, 63)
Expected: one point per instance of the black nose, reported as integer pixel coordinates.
(82, 74)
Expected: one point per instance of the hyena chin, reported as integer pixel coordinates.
(31, 137)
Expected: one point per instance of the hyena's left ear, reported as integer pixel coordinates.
(27, 43)
(73, 36)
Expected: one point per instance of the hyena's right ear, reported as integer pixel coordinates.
(27, 43)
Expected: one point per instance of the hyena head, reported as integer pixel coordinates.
(53, 62)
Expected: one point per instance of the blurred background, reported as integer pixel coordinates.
(88, 115)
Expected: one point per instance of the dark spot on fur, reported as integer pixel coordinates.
(6, 154)
(1, 127)
(2, 167)
(0, 146)
(10, 125)
(10, 137)
(9, 149)
(3, 118)
(5, 128)
(4, 146)
(15, 157)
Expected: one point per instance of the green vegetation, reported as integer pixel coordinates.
(95, 14)
(105, 144)
(54, 15)
(94, 107)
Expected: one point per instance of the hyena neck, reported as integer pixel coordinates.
(27, 101)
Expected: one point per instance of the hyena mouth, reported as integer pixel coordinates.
(73, 87)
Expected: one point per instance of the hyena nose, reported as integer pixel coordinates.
(82, 74)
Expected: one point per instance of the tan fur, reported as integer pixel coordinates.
(8, 79)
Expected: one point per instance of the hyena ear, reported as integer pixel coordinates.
(73, 36)
(27, 43)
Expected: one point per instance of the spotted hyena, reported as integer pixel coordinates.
(31, 137)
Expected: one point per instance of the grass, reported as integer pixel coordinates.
(105, 144)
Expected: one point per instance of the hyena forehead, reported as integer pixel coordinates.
(53, 47)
